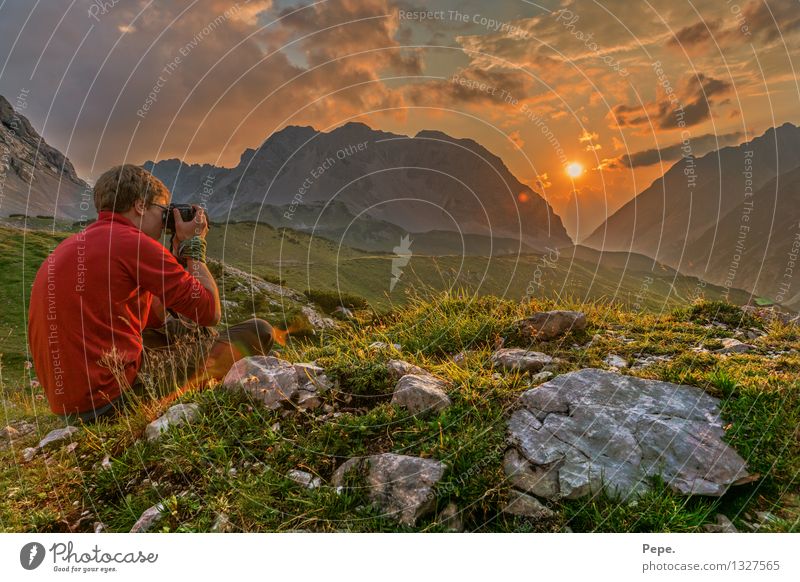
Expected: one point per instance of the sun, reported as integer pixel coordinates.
(574, 169)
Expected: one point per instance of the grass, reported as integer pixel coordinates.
(234, 460)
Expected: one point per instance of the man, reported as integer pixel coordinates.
(98, 291)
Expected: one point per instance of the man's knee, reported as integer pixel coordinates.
(256, 335)
(265, 334)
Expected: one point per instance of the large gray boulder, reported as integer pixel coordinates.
(595, 430)
(519, 360)
(547, 325)
(400, 485)
(421, 394)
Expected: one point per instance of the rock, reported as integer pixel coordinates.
(308, 400)
(265, 378)
(515, 359)
(547, 325)
(398, 484)
(450, 518)
(317, 321)
(307, 480)
(56, 438)
(541, 377)
(29, 453)
(765, 517)
(723, 525)
(615, 361)
(421, 394)
(594, 430)
(174, 416)
(222, 523)
(99, 527)
(383, 346)
(646, 361)
(541, 480)
(312, 378)
(733, 346)
(525, 505)
(8, 435)
(398, 368)
(105, 464)
(151, 517)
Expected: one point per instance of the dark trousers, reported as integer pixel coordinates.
(188, 357)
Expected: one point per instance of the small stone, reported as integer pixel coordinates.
(105, 464)
(400, 485)
(615, 361)
(275, 427)
(421, 394)
(525, 505)
(383, 346)
(733, 346)
(399, 368)
(766, 517)
(8, 433)
(308, 400)
(450, 518)
(222, 523)
(175, 416)
(515, 359)
(99, 527)
(723, 525)
(318, 321)
(541, 377)
(269, 380)
(56, 438)
(548, 325)
(307, 480)
(148, 519)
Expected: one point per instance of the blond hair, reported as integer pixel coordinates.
(121, 186)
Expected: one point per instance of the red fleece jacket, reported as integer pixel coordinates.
(91, 296)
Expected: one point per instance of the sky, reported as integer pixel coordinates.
(585, 101)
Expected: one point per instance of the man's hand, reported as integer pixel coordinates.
(198, 226)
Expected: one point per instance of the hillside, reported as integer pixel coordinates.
(238, 466)
(304, 261)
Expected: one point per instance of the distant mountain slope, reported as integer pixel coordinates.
(431, 182)
(718, 228)
(35, 178)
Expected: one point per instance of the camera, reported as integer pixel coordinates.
(187, 213)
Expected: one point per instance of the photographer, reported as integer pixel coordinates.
(99, 302)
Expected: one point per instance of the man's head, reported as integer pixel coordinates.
(134, 193)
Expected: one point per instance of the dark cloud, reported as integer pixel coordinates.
(769, 21)
(694, 34)
(692, 105)
(699, 145)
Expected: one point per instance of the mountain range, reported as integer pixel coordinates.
(730, 217)
(369, 183)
